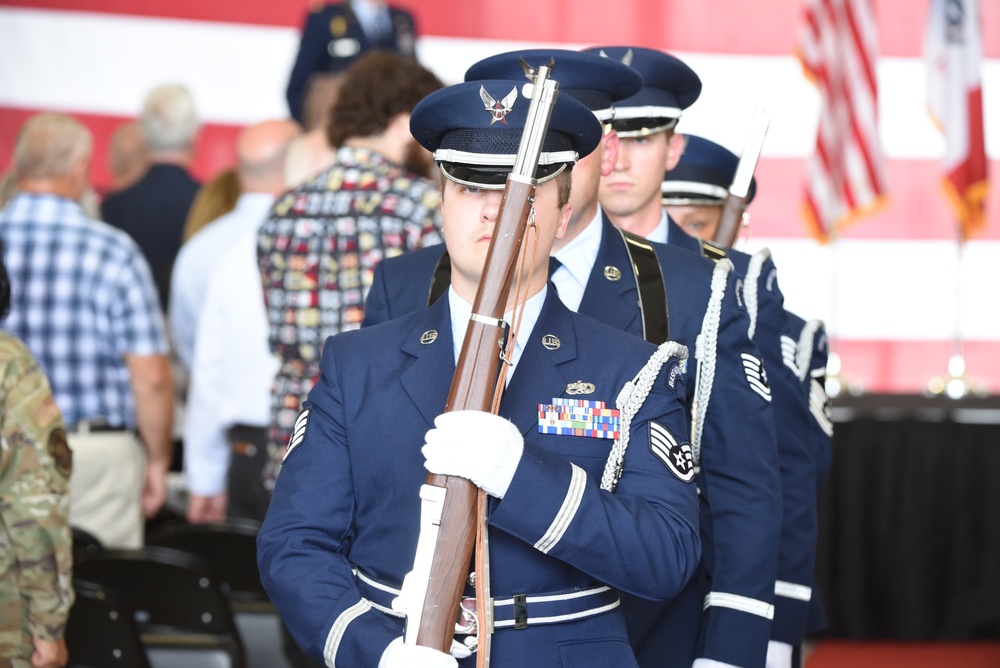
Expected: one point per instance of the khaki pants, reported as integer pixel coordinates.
(105, 489)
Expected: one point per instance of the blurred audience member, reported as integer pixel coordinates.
(215, 198)
(260, 152)
(35, 542)
(153, 210)
(128, 155)
(85, 304)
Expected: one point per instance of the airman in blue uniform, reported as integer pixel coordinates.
(342, 527)
(603, 273)
(336, 34)
(693, 193)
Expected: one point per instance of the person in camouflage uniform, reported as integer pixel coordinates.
(35, 542)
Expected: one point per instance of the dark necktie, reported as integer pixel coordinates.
(554, 265)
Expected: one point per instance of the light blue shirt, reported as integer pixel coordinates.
(578, 258)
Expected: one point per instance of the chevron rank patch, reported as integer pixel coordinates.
(756, 376)
(298, 433)
(579, 417)
(676, 456)
(789, 351)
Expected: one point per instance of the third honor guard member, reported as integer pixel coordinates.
(607, 275)
(693, 194)
(342, 526)
(732, 633)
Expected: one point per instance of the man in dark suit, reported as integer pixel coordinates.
(343, 525)
(154, 209)
(334, 36)
(605, 274)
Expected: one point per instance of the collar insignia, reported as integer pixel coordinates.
(430, 336)
(498, 110)
(551, 342)
(612, 273)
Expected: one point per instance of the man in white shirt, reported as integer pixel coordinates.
(260, 152)
(238, 304)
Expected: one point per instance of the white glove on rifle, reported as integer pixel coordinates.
(398, 655)
(475, 445)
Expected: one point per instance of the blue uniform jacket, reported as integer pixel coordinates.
(332, 39)
(793, 587)
(812, 350)
(347, 496)
(740, 507)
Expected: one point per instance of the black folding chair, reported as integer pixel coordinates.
(101, 631)
(85, 542)
(230, 548)
(182, 615)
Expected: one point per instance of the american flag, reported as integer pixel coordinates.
(954, 54)
(97, 58)
(847, 174)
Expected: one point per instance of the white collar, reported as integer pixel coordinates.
(580, 254)
(661, 232)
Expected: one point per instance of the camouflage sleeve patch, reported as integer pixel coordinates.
(60, 452)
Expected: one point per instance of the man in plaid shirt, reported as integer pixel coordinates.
(85, 304)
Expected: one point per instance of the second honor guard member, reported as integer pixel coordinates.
(693, 194)
(342, 527)
(612, 277)
(733, 633)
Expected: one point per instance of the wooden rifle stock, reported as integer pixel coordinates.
(739, 191)
(475, 380)
(731, 220)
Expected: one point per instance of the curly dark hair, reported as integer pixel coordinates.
(377, 87)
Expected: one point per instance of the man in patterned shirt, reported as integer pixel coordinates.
(85, 304)
(320, 244)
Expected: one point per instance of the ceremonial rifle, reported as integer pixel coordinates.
(736, 201)
(448, 512)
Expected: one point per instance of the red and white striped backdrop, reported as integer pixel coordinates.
(887, 290)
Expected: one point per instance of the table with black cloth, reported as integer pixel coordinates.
(909, 533)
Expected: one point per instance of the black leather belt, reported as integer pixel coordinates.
(93, 427)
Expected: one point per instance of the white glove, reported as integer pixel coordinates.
(779, 654)
(398, 655)
(475, 445)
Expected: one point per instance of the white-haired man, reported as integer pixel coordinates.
(154, 209)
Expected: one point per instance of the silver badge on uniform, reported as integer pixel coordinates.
(676, 456)
(344, 48)
(430, 336)
(580, 387)
(756, 376)
(612, 273)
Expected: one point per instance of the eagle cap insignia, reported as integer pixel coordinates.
(498, 110)
(580, 387)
